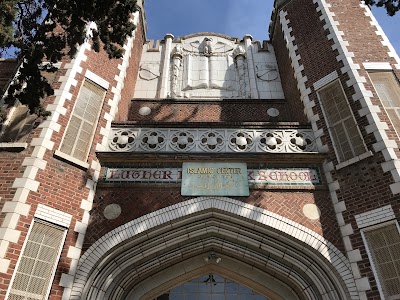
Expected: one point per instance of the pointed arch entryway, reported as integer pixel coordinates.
(272, 255)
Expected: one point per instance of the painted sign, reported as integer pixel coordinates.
(273, 176)
(214, 179)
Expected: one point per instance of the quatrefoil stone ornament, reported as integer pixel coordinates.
(153, 140)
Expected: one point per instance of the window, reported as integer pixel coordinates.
(341, 123)
(36, 267)
(18, 125)
(388, 90)
(80, 130)
(384, 253)
(211, 286)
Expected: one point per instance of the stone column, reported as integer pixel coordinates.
(250, 66)
(165, 67)
(176, 67)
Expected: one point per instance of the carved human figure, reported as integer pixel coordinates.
(207, 46)
(239, 55)
(176, 67)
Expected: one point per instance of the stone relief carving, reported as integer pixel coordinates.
(149, 71)
(239, 51)
(212, 140)
(207, 50)
(176, 68)
(239, 55)
(207, 70)
(266, 72)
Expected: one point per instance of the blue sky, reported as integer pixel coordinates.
(231, 17)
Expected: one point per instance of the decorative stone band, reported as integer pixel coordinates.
(275, 176)
(212, 140)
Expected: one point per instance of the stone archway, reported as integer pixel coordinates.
(151, 254)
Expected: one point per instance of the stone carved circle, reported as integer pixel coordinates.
(123, 139)
(182, 141)
(301, 141)
(112, 211)
(153, 140)
(144, 111)
(273, 112)
(212, 141)
(271, 141)
(241, 141)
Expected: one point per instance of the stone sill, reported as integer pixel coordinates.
(13, 147)
(353, 160)
(71, 160)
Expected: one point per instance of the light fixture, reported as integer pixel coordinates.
(212, 257)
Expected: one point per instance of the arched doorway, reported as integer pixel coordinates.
(275, 257)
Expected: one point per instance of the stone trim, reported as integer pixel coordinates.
(333, 185)
(74, 252)
(97, 79)
(172, 213)
(325, 80)
(53, 215)
(377, 66)
(27, 183)
(363, 95)
(354, 160)
(376, 216)
(211, 140)
(370, 111)
(301, 80)
(385, 41)
(70, 159)
(13, 146)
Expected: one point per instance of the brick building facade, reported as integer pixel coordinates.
(212, 167)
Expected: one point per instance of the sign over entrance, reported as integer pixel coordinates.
(214, 179)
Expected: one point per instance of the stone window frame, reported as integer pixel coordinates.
(102, 83)
(375, 271)
(57, 256)
(356, 157)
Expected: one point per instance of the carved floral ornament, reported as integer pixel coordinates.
(212, 140)
(239, 52)
(177, 51)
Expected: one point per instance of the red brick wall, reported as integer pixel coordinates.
(234, 111)
(131, 76)
(363, 185)
(62, 185)
(137, 200)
